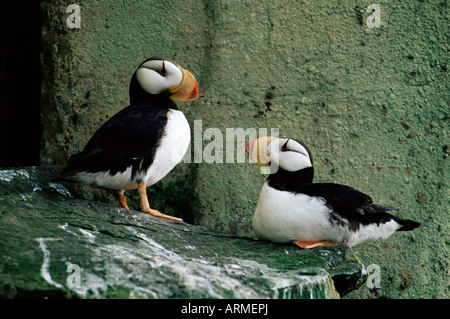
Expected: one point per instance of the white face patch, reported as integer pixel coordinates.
(153, 81)
(289, 154)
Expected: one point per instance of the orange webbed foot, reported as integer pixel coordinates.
(309, 245)
(123, 201)
(156, 213)
(145, 207)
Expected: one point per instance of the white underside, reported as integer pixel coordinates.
(283, 217)
(171, 149)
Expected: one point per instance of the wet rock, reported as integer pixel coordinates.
(57, 246)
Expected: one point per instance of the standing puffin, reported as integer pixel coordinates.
(143, 142)
(291, 208)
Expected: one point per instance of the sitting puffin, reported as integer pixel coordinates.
(291, 208)
(144, 141)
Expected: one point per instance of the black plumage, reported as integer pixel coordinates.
(129, 138)
(346, 202)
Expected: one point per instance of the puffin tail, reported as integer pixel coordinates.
(407, 224)
(61, 177)
(65, 174)
(72, 169)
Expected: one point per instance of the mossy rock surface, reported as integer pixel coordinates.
(58, 246)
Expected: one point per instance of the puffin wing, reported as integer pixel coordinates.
(129, 138)
(354, 206)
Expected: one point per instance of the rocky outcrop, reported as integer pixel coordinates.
(57, 246)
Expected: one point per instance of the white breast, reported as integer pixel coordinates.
(170, 151)
(172, 147)
(283, 217)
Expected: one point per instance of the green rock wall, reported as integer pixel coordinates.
(372, 103)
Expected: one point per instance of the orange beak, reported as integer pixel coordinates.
(187, 90)
(256, 150)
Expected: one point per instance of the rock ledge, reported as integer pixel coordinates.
(56, 246)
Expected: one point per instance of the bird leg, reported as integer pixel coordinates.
(122, 200)
(145, 207)
(309, 245)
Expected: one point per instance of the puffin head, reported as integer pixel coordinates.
(159, 75)
(286, 153)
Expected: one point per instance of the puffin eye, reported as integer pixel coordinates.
(163, 71)
(284, 147)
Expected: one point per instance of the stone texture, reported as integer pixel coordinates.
(50, 237)
(371, 103)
